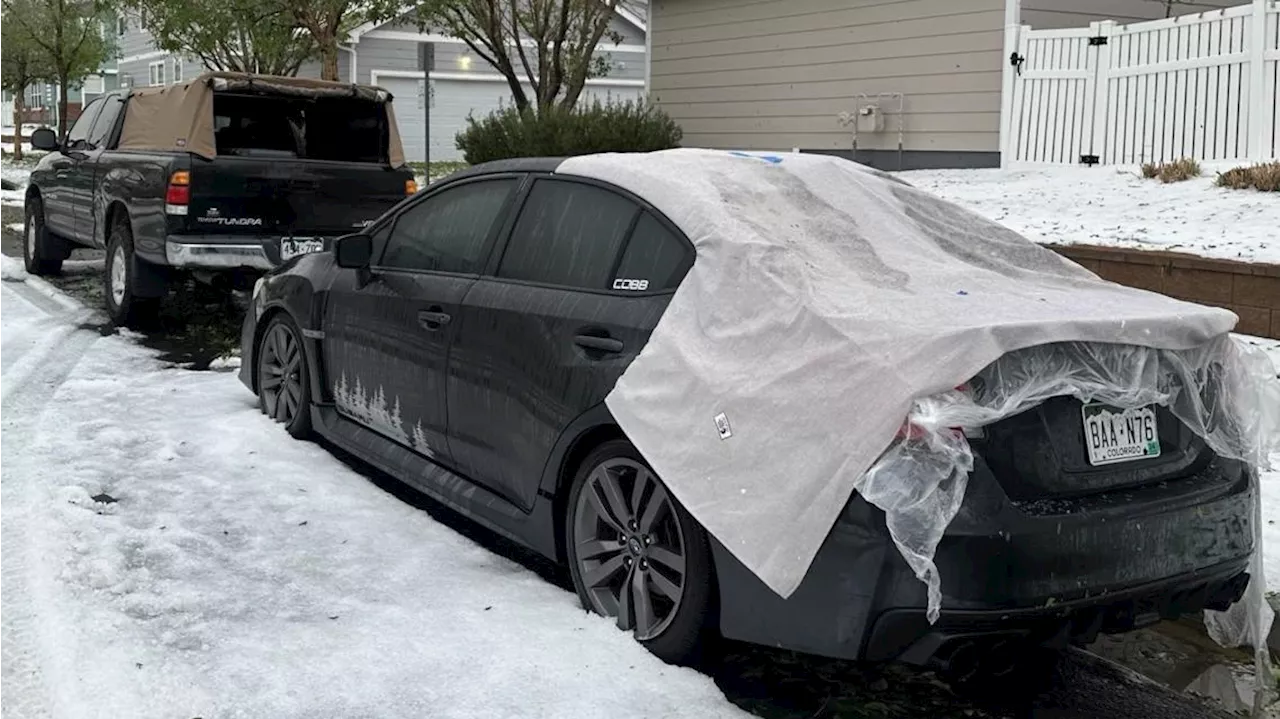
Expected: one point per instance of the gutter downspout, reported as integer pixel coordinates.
(354, 79)
(648, 47)
(1012, 30)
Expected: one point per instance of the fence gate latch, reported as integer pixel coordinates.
(1098, 40)
(1016, 60)
(1088, 159)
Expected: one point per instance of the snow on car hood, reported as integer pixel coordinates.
(826, 301)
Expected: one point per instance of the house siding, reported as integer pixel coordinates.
(377, 53)
(776, 75)
(1053, 14)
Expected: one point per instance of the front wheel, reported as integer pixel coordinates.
(636, 555)
(39, 254)
(284, 392)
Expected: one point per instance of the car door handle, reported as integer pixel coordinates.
(433, 320)
(599, 344)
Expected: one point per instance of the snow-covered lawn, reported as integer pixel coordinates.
(239, 573)
(1116, 207)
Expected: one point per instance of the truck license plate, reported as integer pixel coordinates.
(1114, 435)
(294, 246)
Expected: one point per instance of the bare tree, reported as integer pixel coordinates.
(70, 36)
(549, 44)
(22, 63)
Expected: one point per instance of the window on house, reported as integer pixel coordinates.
(122, 26)
(156, 73)
(177, 70)
(35, 96)
(94, 85)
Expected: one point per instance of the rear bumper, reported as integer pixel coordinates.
(226, 252)
(1035, 573)
(221, 256)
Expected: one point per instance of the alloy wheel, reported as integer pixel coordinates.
(630, 549)
(280, 374)
(118, 276)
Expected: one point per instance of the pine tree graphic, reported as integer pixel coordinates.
(341, 393)
(397, 426)
(420, 440)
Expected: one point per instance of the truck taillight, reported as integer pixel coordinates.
(178, 195)
(410, 187)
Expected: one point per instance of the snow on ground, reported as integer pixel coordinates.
(1116, 207)
(241, 573)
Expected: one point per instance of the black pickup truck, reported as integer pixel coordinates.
(222, 177)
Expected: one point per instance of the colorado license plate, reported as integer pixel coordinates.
(1114, 435)
(294, 246)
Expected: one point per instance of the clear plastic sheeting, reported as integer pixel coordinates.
(828, 302)
(1224, 391)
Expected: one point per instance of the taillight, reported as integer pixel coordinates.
(910, 431)
(410, 187)
(178, 194)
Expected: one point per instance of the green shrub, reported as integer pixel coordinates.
(631, 126)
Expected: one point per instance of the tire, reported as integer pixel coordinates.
(284, 389)
(119, 279)
(41, 251)
(646, 543)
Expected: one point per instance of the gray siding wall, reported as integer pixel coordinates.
(1051, 14)
(402, 55)
(775, 74)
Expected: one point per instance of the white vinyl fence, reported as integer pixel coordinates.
(1205, 86)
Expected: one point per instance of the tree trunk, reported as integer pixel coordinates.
(63, 84)
(19, 109)
(329, 57)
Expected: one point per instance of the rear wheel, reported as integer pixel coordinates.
(41, 251)
(120, 280)
(636, 555)
(284, 392)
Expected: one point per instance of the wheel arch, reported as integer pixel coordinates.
(311, 349)
(567, 460)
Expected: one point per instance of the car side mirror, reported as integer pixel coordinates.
(353, 251)
(44, 139)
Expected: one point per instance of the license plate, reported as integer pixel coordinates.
(1114, 435)
(294, 246)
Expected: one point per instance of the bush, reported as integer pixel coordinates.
(631, 126)
(1175, 171)
(1237, 178)
(1264, 177)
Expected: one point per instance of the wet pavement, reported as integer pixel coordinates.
(199, 329)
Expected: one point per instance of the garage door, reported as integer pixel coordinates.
(454, 100)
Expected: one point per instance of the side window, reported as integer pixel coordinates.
(101, 133)
(79, 132)
(568, 234)
(448, 232)
(654, 259)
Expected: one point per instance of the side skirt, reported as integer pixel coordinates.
(534, 530)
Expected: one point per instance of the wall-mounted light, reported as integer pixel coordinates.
(464, 62)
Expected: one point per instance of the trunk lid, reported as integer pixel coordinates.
(1044, 452)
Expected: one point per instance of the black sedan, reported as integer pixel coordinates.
(465, 343)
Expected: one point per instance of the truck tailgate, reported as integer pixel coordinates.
(289, 197)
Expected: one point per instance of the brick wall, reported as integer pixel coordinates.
(1251, 290)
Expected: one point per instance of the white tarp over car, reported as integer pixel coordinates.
(829, 302)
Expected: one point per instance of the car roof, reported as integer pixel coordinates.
(518, 164)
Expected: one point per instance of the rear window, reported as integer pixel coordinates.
(336, 129)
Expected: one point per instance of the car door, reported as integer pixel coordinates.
(387, 332)
(77, 178)
(86, 172)
(60, 197)
(583, 279)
